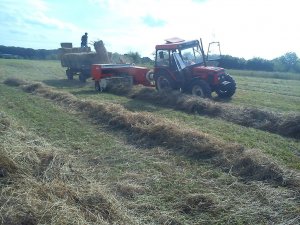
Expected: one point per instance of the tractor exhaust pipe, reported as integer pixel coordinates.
(202, 51)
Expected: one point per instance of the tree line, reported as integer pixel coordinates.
(28, 53)
(288, 62)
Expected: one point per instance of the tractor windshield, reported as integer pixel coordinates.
(191, 56)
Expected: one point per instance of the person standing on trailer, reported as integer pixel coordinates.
(84, 40)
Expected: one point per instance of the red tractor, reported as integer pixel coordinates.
(179, 65)
(183, 65)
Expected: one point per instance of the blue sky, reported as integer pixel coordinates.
(245, 28)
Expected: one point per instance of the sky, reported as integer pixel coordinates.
(244, 28)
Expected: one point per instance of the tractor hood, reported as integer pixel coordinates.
(207, 69)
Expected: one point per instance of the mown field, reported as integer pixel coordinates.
(69, 155)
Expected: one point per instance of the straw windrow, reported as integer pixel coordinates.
(274, 122)
(42, 184)
(142, 126)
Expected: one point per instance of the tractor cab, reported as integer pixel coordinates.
(183, 65)
(189, 52)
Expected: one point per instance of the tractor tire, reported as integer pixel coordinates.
(97, 86)
(227, 90)
(69, 74)
(164, 82)
(200, 88)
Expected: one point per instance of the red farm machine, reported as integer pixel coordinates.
(179, 65)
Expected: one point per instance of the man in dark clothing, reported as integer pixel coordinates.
(84, 40)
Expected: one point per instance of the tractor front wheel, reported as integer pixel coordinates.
(227, 88)
(200, 88)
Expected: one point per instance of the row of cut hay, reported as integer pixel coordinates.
(41, 184)
(143, 126)
(285, 125)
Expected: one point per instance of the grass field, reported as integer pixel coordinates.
(73, 156)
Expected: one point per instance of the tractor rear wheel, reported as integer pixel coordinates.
(200, 88)
(227, 88)
(163, 82)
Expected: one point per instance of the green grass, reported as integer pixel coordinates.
(282, 149)
(273, 94)
(264, 74)
(154, 184)
(38, 70)
(168, 180)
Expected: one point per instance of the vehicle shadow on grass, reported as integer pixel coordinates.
(222, 100)
(61, 83)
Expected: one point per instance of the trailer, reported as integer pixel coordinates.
(78, 61)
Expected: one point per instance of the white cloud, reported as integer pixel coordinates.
(27, 23)
(245, 28)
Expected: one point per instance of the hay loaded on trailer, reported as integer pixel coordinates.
(179, 65)
(78, 61)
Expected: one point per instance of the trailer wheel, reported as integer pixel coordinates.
(97, 86)
(163, 82)
(200, 88)
(69, 74)
(82, 78)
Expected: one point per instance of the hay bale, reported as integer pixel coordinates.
(66, 45)
(74, 50)
(79, 60)
(101, 51)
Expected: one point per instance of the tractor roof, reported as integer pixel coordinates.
(176, 43)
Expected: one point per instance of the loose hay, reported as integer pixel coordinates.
(147, 128)
(46, 185)
(285, 125)
(129, 190)
(4, 123)
(197, 203)
(7, 165)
